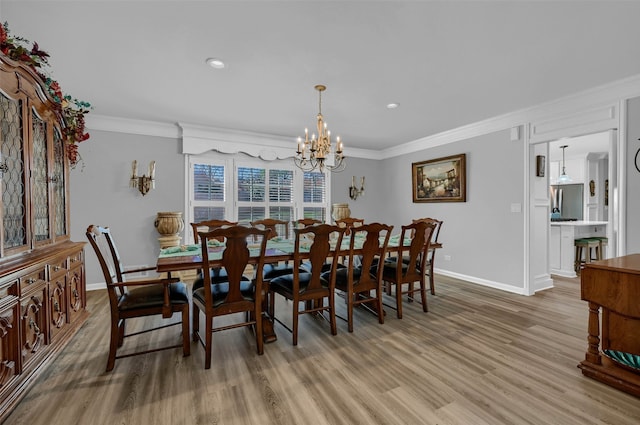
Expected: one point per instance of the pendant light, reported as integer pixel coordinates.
(564, 178)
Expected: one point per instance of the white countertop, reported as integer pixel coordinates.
(579, 223)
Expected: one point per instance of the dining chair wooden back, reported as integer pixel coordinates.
(349, 223)
(407, 266)
(209, 225)
(136, 298)
(279, 228)
(432, 251)
(237, 294)
(217, 273)
(304, 222)
(363, 275)
(314, 245)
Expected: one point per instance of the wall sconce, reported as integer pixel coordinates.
(143, 183)
(354, 192)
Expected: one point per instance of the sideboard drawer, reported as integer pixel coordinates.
(31, 280)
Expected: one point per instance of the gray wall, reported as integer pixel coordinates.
(633, 176)
(100, 194)
(370, 205)
(483, 238)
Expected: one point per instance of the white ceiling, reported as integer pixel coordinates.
(447, 63)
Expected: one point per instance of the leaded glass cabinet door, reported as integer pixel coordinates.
(58, 181)
(14, 231)
(40, 181)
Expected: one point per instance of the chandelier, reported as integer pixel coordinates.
(316, 152)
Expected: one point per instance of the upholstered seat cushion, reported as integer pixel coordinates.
(271, 271)
(284, 283)
(152, 296)
(390, 267)
(219, 291)
(217, 275)
(306, 265)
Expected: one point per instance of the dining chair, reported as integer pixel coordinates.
(209, 225)
(349, 223)
(304, 222)
(363, 274)
(136, 298)
(406, 267)
(432, 251)
(237, 294)
(279, 229)
(217, 273)
(313, 244)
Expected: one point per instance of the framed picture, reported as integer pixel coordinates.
(540, 160)
(440, 180)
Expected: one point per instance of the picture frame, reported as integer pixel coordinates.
(540, 165)
(440, 180)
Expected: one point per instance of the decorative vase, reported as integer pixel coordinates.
(340, 211)
(169, 225)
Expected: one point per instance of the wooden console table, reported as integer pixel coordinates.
(613, 285)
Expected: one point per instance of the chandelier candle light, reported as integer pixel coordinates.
(316, 152)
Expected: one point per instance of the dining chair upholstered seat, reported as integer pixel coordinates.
(137, 298)
(312, 288)
(237, 294)
(399, 271)
(362, 276)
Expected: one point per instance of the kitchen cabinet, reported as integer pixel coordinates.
(561, 243)
(42, 287)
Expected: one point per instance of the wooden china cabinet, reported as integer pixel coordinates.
(42, 286)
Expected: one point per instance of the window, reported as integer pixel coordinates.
(235, 189)
(315, 196)
(208, 191)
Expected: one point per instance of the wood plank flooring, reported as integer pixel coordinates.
(480, 356)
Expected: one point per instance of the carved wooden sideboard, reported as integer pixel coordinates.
(42, 277)
(613, 352)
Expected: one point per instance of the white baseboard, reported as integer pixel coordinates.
(483, 282)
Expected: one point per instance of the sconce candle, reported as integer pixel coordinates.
(354, 192)
(143, 183)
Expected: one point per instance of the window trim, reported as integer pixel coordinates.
(231, 162)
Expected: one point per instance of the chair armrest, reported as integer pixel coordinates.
(142, 269)
(166, 303)
(143, 282)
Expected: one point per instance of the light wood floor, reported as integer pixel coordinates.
(480, 356)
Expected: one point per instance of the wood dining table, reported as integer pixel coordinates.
(189, 257)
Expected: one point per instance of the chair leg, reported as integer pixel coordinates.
(114, 343)
(259, 339)
(432, 283)
(379, 305)
(423, 295)
(332, 314)
(399, 300)
(196, 323)
(186, 343)
(207, 345)
(349, 300)
(121, 330)
(295, 321)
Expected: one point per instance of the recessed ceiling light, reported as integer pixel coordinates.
(392, 105)
(215, 63)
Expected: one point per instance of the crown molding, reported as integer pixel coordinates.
(200, 137)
